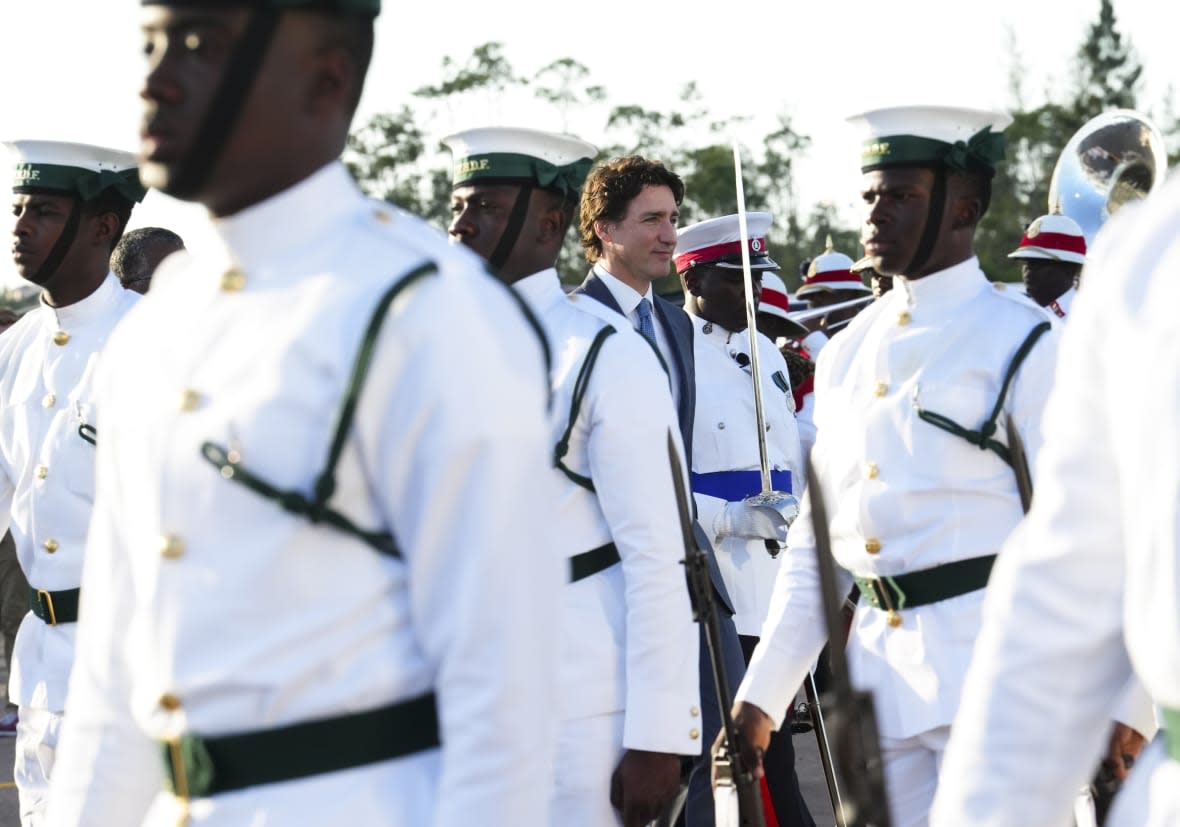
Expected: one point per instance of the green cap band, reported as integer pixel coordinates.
(84, 183)
(367, 7)
(983, 151)
(566, 179)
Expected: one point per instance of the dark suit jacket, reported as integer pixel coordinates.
(678, 328)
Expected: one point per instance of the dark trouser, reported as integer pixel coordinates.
(14, 595)
(779, 765)
(698, 808)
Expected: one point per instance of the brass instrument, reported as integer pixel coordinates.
(1116, 157)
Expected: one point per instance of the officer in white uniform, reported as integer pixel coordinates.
(725, 462)
(726, 466)
(628, 673)
(1088, 589)
(71, 203)
(913, 405)
(322, 584)
(1051, 254)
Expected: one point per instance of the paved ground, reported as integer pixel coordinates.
(811, 780)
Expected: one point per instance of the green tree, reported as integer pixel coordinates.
(564, 83)
(1106, 75)
(383, 156)
(1108, 71)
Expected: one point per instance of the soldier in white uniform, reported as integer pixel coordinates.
(1051, 254)
(630, 706)
(71, 202)
(726, 468)
(321, 587)
(913, 405)
(1088, 589)
(1115, 552)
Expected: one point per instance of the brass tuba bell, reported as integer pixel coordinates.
(1116, 157)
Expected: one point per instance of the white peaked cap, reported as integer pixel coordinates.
(718, 242)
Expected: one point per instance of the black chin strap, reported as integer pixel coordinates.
(64, 241)
(933, 223)
(512, 231)
(240, 72)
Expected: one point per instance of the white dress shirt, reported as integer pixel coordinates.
(47, 469)
(209, 609)
(1089, 588)
(725, 438)
(904, 495)
(628, 299)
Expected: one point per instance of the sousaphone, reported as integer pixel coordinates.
(1115, 158)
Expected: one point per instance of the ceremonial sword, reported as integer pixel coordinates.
(782, 502)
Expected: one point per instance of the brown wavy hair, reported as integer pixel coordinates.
(611, 186)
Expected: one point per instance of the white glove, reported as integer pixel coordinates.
(751, 521)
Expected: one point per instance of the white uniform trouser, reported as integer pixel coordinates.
(36, 743)
(911, 774)
(1150, 797)
(588, 750)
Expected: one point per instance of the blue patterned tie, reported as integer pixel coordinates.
(645, 325)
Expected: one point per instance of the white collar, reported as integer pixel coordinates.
(74, 316)
(941, 290)
(540, 290)
(252, 238)
(626, 295)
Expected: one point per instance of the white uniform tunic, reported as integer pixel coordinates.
(1094, 575)
(725, 438)
(210, 610)
(904, 495)
(47, 363)
(629, 642)
(47, 482)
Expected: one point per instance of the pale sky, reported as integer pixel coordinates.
(71, 69)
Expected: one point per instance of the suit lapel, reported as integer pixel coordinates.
(595, 289)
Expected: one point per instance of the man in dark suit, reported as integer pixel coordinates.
(629, 211)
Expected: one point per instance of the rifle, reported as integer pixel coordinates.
(851, 719)
(734, 781)
(1020, 465)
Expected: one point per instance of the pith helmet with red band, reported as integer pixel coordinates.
(717, 242)
(1054, 237)
(831, 271)
(774, 301)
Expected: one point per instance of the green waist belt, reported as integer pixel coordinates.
(921, 588)
(55, 607)
(593, 561)
(1172, 732)
(196, 767)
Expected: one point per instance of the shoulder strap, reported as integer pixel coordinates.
(316, 508)
(563, 446)
(983, 437)
(538, 329)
